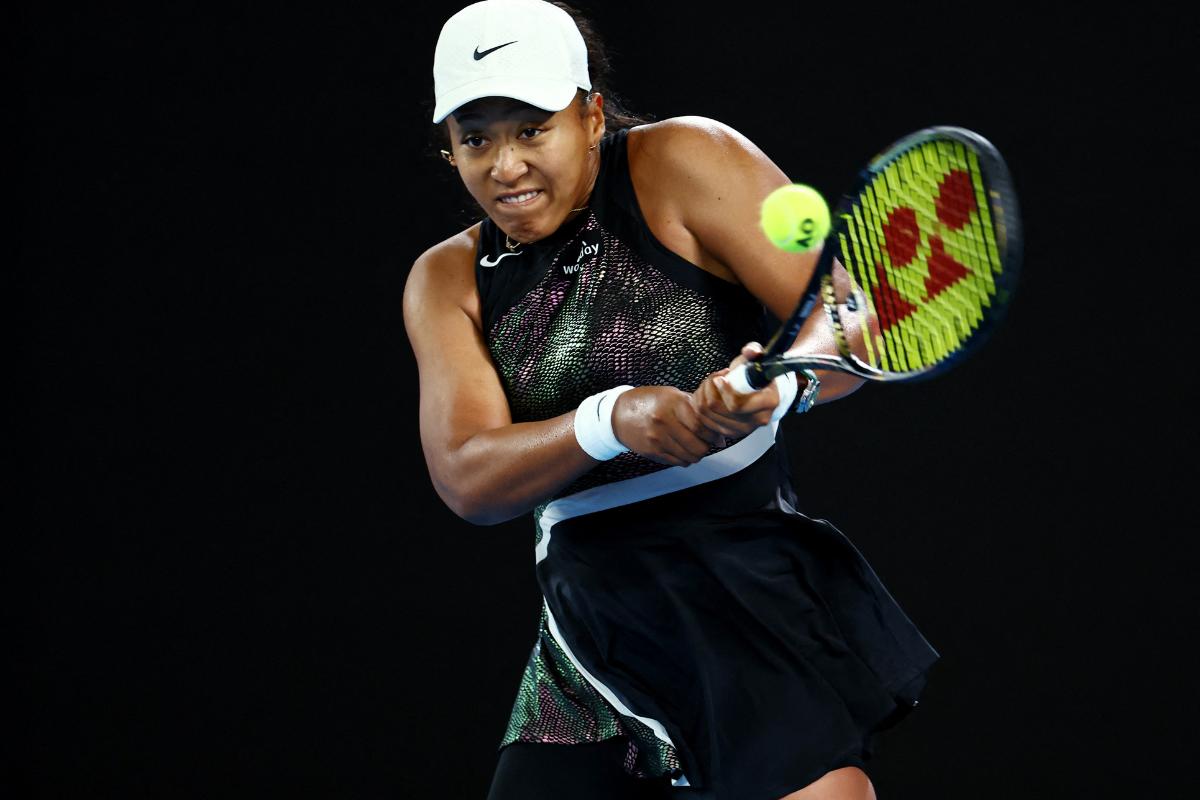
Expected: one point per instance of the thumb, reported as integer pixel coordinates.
(752, 351)
(729, 396)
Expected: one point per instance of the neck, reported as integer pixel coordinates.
(593, 174)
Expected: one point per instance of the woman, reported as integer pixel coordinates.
(699, 637)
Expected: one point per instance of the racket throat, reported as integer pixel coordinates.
(759, 374)
(835, 319)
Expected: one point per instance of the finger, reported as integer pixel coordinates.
(742, 423)
(723, 398)
(740, 401)
(688, 435)
(711, 429)
(755, 408)
(663, 449)
(716, 435)
(670, 451)
(724, 417)
(711, 406)
(708, 398)
(730, 397)
(691, 446)
(752, 351)
(765, 400)
(726, 426)
(710, 377)
(669, 461)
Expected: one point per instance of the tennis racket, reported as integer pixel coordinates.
(930, 236)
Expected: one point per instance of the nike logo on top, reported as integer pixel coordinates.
(479, 55)
(486, 262)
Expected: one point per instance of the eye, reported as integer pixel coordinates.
(473, 141)
(529, 133)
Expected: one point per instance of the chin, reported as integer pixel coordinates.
(530, 230)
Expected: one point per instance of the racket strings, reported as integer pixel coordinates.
(920, 245)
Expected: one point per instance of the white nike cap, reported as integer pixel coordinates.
(528, 50)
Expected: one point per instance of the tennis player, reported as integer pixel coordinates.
(699, 637)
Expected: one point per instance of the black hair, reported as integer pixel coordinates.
(616, 115)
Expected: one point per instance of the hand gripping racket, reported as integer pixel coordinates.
(931, 239)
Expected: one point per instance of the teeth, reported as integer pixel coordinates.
(519, 198)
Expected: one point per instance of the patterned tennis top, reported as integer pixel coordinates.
(600, 303)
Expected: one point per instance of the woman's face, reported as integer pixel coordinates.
(527, 168)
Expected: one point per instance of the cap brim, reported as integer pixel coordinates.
(551, 94)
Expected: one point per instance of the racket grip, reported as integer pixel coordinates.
(742, 379)
(748, 378)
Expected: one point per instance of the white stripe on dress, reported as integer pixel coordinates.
(633, 490)
(710, 468)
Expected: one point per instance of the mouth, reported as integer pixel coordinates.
(519, 199)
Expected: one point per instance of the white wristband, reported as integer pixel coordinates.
(593, 425)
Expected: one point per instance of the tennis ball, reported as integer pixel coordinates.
(795, 218)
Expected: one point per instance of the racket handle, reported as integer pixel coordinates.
(742, 379)
(748, 378)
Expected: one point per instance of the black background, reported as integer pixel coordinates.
(233, 577)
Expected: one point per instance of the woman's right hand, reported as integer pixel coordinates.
(662, 424)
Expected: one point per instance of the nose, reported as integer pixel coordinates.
(509, 165)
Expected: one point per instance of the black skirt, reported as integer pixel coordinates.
(759, 640)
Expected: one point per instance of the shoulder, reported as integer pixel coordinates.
(443, 276)
(692, 144)
(692, 168)
(702, 174)
(446, 263)
(706, 182)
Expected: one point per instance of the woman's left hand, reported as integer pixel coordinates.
(732, 413)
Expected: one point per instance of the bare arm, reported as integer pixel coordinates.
(485, 467)
(717, 180)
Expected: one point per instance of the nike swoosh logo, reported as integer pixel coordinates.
(479, 55)
(484, 262)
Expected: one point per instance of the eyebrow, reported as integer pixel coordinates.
(519, 111)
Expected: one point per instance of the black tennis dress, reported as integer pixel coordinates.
(737, 645)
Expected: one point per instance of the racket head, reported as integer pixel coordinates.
(931, 238)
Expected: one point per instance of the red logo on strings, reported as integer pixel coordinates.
(954, 203)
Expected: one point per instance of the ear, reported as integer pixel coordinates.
(594, 118)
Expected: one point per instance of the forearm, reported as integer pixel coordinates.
(818, 339)
(503, 472)
(836, 385)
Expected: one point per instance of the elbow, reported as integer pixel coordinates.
(479, 514)
(473, 507)
(473, 492)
